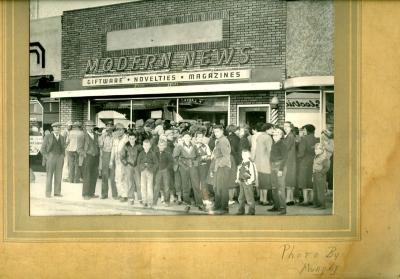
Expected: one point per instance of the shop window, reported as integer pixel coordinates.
(213, 109)
(54, 107)
(329, 110)
(304, 107)
(201, 109)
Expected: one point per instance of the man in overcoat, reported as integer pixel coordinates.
(90, 161)
(53, 149)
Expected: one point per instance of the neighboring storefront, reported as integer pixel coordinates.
(45, 70)
(217, 61)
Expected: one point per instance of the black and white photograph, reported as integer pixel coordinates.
(179, 107)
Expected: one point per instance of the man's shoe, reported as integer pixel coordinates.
(272, 209)
(240, 213)
(94, 196)
(290, 203)
(104, 197)
(187, 208)
(58, 195)
(86, 198)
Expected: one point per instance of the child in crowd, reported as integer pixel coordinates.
(148, 164)
(204, 155)
(320, 168)
(246, 178)
(129, 157)
(187, 158)
(163, 175)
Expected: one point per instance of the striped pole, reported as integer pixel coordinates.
(274, 116)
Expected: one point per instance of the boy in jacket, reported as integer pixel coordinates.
(163, 175)
(246, 178)
(148, 164)
(129, 156)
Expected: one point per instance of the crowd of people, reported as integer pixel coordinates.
(195, 164)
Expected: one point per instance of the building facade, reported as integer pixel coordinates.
(217, 61)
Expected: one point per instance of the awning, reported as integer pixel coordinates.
(42, 85)
(184, 89)
(319, 81)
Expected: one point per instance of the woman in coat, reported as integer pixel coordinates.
(306, 157)
(290, 168)
(261, 157)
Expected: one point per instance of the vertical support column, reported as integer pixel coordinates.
(88, 114)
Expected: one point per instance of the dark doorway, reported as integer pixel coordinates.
(253, 117)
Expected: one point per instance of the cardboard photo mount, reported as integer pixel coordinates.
(343, 224)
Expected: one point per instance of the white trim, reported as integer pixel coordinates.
(309, 81)
(252, 106)
(229, 87)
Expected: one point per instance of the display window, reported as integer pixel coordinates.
(188, 108)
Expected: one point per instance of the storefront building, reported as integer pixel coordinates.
(229, 62)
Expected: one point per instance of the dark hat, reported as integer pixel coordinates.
(89, 123)
(56, 124)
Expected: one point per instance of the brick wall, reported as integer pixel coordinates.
(260, 25)
(72, 110)
(256, 97)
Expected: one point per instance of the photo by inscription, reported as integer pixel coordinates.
(183, 107)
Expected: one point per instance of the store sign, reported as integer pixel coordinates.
(309, 103)
(163, 61)
(35, 143)
(198, 76)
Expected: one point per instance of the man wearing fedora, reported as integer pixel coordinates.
(53, 149)
(75, 141)
(107, 173)
(90, 161)
(115, 161)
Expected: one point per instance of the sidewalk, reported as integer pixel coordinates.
(72, 203)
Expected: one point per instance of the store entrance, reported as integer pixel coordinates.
(252, 114)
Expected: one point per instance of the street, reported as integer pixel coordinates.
(72, 203)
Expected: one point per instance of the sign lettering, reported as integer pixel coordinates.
(217, 75)
(162, 61)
